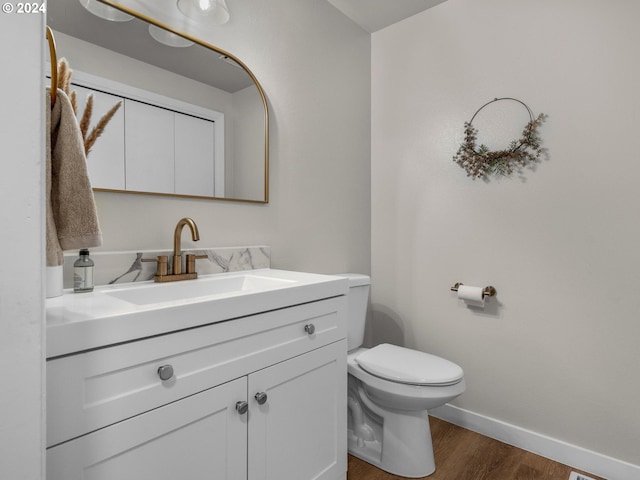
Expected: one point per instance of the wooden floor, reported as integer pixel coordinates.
(464, 455)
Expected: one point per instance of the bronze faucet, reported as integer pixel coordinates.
(161, 274)
(177, 251)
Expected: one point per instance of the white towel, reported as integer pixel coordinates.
(72, 219)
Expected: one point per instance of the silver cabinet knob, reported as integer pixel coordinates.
(310, 328)
(261, 398)
(242, 407)
(165, 372)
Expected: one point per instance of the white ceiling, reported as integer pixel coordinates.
(373, 15)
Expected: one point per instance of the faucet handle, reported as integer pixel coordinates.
(191, 261)
(162, 262)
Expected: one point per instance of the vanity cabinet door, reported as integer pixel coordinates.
(105, 161)
(199, 437)
(298, 433)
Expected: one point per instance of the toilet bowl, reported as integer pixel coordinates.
(390, 390)
(397, 436)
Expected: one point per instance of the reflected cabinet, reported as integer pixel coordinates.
(152, 148)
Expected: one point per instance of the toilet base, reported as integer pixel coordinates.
(405, 448)
(369, 451)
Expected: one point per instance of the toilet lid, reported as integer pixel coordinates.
(404, 365)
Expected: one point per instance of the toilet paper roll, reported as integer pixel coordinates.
(471, 295)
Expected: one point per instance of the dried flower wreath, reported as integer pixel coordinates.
(481, 162)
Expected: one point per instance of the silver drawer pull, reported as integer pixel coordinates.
(261, 398)
(242, 407)
(310, 328)
(165, 372)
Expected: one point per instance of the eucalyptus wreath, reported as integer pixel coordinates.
(481, 162)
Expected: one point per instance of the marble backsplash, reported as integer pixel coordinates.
(123, 267)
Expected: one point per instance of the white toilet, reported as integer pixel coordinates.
(390, 390)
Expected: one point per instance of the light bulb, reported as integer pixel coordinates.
(216, 10)
(168, 38)
(105, 11)
(205, 5)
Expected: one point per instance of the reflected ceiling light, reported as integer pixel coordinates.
(167, 38)
(216, 10)
(105, 11)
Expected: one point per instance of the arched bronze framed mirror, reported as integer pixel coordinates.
(208, 96)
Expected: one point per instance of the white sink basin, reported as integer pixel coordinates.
(205, 286)
(114, 314)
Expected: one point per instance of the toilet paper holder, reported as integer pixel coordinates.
(486, 292)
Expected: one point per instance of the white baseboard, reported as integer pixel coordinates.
(557, 450)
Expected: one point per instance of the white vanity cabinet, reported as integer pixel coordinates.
(111, 415)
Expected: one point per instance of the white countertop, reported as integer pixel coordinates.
(82, 321)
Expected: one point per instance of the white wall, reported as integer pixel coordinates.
(245, 178)
(22, 246)
(557, 351)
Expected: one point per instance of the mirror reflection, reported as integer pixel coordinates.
(194, 121)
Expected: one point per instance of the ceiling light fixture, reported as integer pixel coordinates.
(216, 10)
(105, 11)
(167, 38)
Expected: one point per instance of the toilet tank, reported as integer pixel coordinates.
(357, 299)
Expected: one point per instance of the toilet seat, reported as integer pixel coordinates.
(411, 367)
(401, 396)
